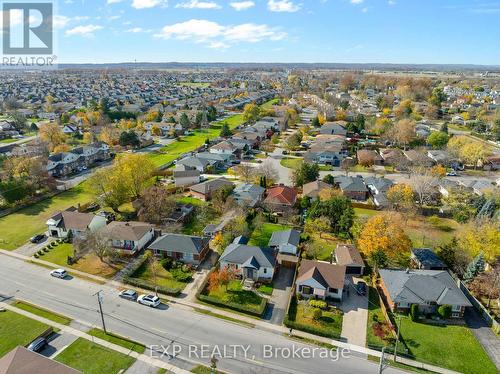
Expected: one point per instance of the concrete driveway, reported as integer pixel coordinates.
(277, 305)
(355, 308)
(29, 249)
(484, 335)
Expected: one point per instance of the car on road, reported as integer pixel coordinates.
(452, 174)
(149, 300)
(361, 288)
(59, 273)
(128, 294)
(37, 238)
(37, 345)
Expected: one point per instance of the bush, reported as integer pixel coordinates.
(318, 304)
(45, 249)
(444, 311)
(36, 255)
(136, 266)
(148, 286)
(166, 263)
(414, 312)
(317, 314)
(180, 275)
(254, 311)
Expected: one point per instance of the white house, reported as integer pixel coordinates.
(285, 242)
(129, 237)
(61, 224)
(320, 280)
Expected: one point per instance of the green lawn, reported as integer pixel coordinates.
(429, 232)
(235, 294)
(362, 212)
(18, 227)
(266, 289)
(118, 340)
(16, 329)
(7, 140)
(42, 312)
(200, 369)
(92, 358)
(321, 247)
(453, 347)
(194, 84)
(291, 163)
(163, 277)
(261, 235)
(270, 103)
(330, 322)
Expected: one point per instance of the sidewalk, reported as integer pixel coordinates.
(67, 329)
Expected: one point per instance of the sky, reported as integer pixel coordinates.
(342, 31)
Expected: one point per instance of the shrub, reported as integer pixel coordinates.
(318, 304)
(166, 263)
(414, 312)
(180, 275)
(148, 286)
(444, 311)
(317, 314)
(36, 255)
(45, 249)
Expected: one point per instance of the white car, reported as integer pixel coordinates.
(149, 300)
(59, 273)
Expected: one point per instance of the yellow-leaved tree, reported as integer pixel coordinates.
(401, 196)
(482, 237)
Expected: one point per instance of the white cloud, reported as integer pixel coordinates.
(59, 21)
(136, 30)
(109, 2)
(144, 4)
(198, 4)
(86, 30)
(391, 2)
(357, 1)
(364, 10)
(219, 36)
(242, 5)
(282, 6)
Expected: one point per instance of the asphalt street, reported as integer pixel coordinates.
(195, 336)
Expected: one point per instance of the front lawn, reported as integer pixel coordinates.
(200, 369)
(16, 329)
(453, 347)
(164, 278)
(16, 228)
(301, 317)
(42, 312)
(291, 163)
(266, 289)
(91, 358)
(118, 340)
(261, 235)
(89, 263)
(378, 333)
(234, 294)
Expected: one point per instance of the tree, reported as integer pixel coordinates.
(19, 121)
(155, 130)
(245, 171)
(320, 224)
(52, 134)
(88, 137)
(339, 212)
(403, 132)
(14, 190)
(475, 267)
(444, 311)
(481, 237)
(184, 121)
(129, 138)
(414, 312)
(220, 198)
(487, 284)
(269, 172)
(444, 128)
(379, 260)
(157, 205)
(219, 278)
(384, 232)
(305, 173)
(293, 141)
(400, 196)
(424, 186)
(225, 132)
(251, 112)
(438, 139)
(315, 122)
(99, 245)
(437, 97)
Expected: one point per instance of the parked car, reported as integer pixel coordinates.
(129, 295)
(149, 300)
(37, 238)
(361, 288)
(37, 345)
(452, 174)
(59, 273)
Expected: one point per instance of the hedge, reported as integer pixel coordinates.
(132, 269)
(310, 329)
(257, 311)
(148, 286)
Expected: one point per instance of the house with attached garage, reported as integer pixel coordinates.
(280, 198)
(205, 190)
(248, 195)
(320, 280)
(129, 237)
(186, 248)
(312, 189)
(249, 262)
(72, 221)
(348, 255)
(352, 187)
(186, 177)
(286, 241)
(428, 289)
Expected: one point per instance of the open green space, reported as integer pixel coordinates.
(261, 235)
(450, 346)
(91, 358)
(16, 228)
(118, 340)
(291, 163)
(16, 329)
(42, 312)
(270, 103)
(321, 247)
(194, 84)
(431, 231)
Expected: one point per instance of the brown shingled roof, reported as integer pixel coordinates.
(322, 272)
(126, 230)
(22, 361)
(348, 254)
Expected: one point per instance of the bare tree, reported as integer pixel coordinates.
(268, 170)
(424, 186)
(245, 171)
(158, 205)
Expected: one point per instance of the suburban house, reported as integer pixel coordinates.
(332, 128)
(312, 189)
(129, 237)
(23, 361)
(205, 190)
(320, 280)
(186, 177)
(391, 156)
(72, 221)
(439, 156)
(429, 289)
(352, 187)
(249, 262)
(280, 198)
(195, 163)
(181, 213)
(418, 158)
(248, 194)
(425, 258)
(65, 163)
(286, 241)
(186, 248)
(348, 255)
(369, 156)
(378, 189)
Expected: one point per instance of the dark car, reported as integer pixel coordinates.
(37, 238)
(361, 288)
(37, 345)
(129, 295)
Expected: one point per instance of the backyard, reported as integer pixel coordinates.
(431, 231)
(321, 247)
(262, 233)
(92, 358)
(16, 329)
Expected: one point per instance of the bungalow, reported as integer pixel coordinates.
(71, 221)
(186, 248)
(312, 189)
(439, 156)
(205, 190)
(320, 280)
(378, 188)
(348, 255)
(418, 158)
(129, 237)
(248, 195)
(194, 163)
(428, 289)
(391, 156)
(425, 258)
(352, 187)
(280, 198)
(286, 241)
(332, 128)
(21, 360)
(186, 177)
(249, 261)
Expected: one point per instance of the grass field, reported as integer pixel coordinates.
(320, 248)
(330, 321)
(194, 84)
(453, 347)
(261, 235)
(91, 358)
(42, 312)
(18, 227)
(16, 329)
(118, 340)
(291, 163)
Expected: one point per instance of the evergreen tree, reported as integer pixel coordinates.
(476, 267)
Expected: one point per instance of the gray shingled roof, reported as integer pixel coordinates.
(179, 243)
(241, 254)
(427, 257)
(285, 237)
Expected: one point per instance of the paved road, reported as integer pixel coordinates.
(169, 324)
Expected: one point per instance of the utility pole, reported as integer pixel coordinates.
(397, 339)
(381, 363)
(99, 300)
